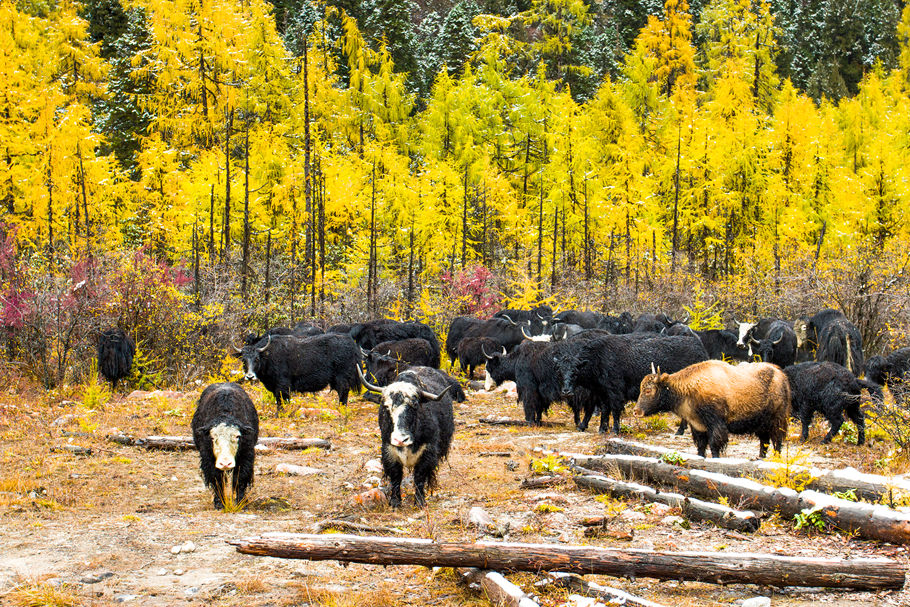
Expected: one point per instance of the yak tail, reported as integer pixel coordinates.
(850, 362)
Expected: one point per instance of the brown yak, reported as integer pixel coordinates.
(716, 398)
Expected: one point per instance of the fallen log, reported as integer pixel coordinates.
(499, 590)
(694, 509)
(179, 443)
(719, 568)
(350, 526)
(868, 520)
(539, 482)
(499, 420)
(871, 487)
(611, 595)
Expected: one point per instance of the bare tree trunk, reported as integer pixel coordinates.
(226, 225)
(714, 567)
(245, 266)
(676, 199)
(212, 224)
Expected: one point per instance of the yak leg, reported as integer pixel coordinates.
(856, 416)
(764, 439)
(423, 475)
(836, 419)
(701, 441)
(719, 439)
(617, 412)
(281, 394)
(531, 404)
(682, 428)
(219, 488)
(805, 417)
(394, 470)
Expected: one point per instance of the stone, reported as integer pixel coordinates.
(95, 577)
(659, 509)
(374, 466)
(188, 546)
(175, 549)
(671, 521)
(481, 519)
(632, 516)
(124, 598)
(296, 470)
(759, 601)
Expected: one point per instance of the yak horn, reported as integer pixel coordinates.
(778, 340)
(367, 384)
(687, 318)
(506, 316)
(236, 349)
(523, 332)
(431, 396)
(363, 351)
(653, 369)
(484, 350)
(265, 347)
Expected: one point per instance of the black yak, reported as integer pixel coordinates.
(225, 430)
(413, 351)
(369, 334)
(831, 390)
(416, 426)
(115, 355)
(716, 398)
(833, 338)
(286, 364)
(471, 350)
(458, 328)
(611, 367)
(778, 346)
(889, 369)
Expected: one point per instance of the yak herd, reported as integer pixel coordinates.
(589, 361)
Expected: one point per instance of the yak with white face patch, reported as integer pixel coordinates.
(416, 427)
(225, 430)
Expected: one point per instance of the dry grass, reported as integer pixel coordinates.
(252, 585)
(42, 595)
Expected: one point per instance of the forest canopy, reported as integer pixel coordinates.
(338, 160)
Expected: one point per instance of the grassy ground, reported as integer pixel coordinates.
(100, 528)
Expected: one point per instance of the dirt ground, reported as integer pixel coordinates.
(104, 528)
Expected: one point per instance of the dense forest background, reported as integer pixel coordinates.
(184, 168)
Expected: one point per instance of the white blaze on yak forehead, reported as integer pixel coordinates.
(250, 374)
(743, 329)
(225, 440)
(396, 397)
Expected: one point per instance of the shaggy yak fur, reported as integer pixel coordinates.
(833, 338)
(115, 355)
(611, 367)
(416, 430)
(413, 351)
(778, 346)
(888, 369)
(716, 398)
(230, 405)
(471, 350)
(383, 370)
(721, 345)
(286, 364)
(368, 335)
(831, 390)
(458, 328)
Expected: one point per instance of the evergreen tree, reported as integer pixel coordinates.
(123, 119)
(107, 22)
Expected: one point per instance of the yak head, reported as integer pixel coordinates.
(566, 364)
(745, 332)
(225, 442)
(801, 328)
(402, 401)
(499, 368)
(878, 369)
(651, 394)
(251, 355)
(764, 349)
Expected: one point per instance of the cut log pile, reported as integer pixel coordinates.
(694, 509)
(871, 487)
(868, 520)
(718, 568)
(180, 443)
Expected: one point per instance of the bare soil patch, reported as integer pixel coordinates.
(101, 529)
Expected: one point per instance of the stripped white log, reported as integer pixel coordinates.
(186, 442)
(500, 591)
(871, 487)
(611, 595)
